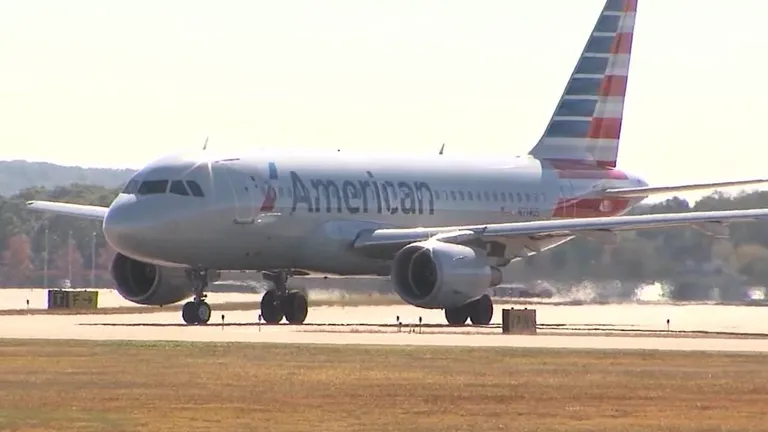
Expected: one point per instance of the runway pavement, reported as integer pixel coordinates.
(376, 325)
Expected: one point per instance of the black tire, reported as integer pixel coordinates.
(203, 312)
(189, 313)
(270, 308)
(456, 316)
(295, 307)
(481, 310)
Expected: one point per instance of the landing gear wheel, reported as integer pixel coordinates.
(196, 312)
(295, 307)
(203, 312)
(457, 316)
(189, 313)
(270, 307)
(481, 310)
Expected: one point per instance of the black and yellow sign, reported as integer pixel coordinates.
(518, 321)
(68, 299)
(57, 299)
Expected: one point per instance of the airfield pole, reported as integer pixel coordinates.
(93, 260)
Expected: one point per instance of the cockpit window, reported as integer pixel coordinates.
(195, 188)
(178, 188)
(150, 187)
(131, 187)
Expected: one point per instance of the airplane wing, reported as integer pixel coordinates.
(78, 210)
(384, 241)
(655, 190)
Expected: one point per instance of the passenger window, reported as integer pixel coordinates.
(503, 197)
(519, 197)
(461, 195)
(527, 197)
(152, 187)
(470, 196)
(178, 188)
(479, 197)
(511, 197)
(495, 196)
(487, 196)
(437, 195)
(131, 187)
(195, 188)
(280, 191)
(453, 195)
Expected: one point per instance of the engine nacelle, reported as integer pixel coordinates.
(148, 284)
(436, 275)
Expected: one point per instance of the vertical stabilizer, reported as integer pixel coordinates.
(586, 124)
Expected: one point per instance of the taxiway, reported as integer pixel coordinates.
(619, 326)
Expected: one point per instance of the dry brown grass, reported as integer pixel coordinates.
(142, 386)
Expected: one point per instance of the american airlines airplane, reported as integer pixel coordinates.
(440, 227)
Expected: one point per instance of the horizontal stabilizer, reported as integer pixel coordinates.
(67, 209)
(655, 190)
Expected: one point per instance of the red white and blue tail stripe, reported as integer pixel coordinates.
(586, 125)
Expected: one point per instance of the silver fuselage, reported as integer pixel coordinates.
(323, 201)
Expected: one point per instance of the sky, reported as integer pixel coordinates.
(119, 83)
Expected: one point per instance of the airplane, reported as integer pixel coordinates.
(440, 228)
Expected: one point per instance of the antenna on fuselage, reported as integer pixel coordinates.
(442, 148)
(205, 144)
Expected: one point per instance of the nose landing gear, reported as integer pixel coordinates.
(197, 311)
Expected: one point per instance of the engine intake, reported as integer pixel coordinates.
(435, 275)
(148, 284)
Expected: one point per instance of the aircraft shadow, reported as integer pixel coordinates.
(310, 325)
(341, 325)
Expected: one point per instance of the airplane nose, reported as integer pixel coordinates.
(122, 226)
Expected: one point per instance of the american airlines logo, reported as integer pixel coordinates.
(270, 195)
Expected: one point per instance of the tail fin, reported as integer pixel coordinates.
(586, 125)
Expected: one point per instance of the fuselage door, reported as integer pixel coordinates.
(243, 192)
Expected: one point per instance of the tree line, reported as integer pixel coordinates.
(75, 246)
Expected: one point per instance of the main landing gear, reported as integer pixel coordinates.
(479, 311)
(197, 311)
(279, 303)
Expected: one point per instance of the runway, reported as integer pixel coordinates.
(619, 326)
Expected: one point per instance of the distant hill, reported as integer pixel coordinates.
(19, 174)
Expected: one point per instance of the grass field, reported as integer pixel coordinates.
(136, 386)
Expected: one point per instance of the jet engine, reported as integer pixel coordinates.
(435, 275)
(148, 284)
